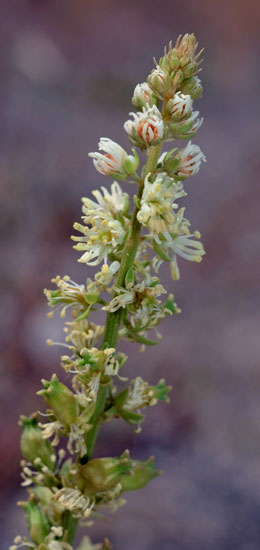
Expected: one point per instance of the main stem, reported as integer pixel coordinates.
(113, 320)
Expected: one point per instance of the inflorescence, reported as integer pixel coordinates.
(65, 484)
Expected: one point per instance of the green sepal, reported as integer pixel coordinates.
(131, 417)
(142, 339)
(121, 398)
(130, 278)
(171, 305)
(161, 390)
(161, 252)
(91, 298)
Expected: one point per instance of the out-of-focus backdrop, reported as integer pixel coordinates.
(67, 72)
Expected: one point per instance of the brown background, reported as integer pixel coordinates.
(67, 72)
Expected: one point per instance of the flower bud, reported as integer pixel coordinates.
(142, 473)
(185, 49)
(36, 521)
(179, 107)
(146, 129)
(169, 162)
(190, 159)
(159, 81)
(143, 96)
(192, 86)
(111, 162)
(102, 474)
(185, 129)
(33, 445)
(62, 401)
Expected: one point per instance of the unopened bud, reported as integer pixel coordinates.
(193, 87)
(179, 107)
(159, 81)
(143, 95)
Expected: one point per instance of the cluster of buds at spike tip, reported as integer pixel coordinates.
(176, 69)
(114, 161)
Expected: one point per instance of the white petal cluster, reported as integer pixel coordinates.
(104, 235)
(159, 80)
(182, 244)
(114, 202)
(147, 127)
(191, 158)
(157, 204)
(180, 105)
(113, 158)
(143, 95)
(140, 395)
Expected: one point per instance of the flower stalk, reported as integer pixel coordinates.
(69, 485)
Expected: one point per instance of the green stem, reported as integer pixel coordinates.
(113, 320)
(69, 526)
(112, 327)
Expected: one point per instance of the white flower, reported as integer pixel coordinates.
(105, 235)
(180, 106)
(140, 395)
(112, 161)
(143, 95)
(113, 202)
(191, 158)
(182, 244)
(146, 128)
(156, 212)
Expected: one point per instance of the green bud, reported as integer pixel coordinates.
(33, 445)
(37, 523)
(159, 80)
(142, 473)
(102, 474)
(170, 162)
(62, 401)
(131, 163)
(192, 86)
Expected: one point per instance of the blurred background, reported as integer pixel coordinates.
(67, 73)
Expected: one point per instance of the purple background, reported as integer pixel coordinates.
(67, 73)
